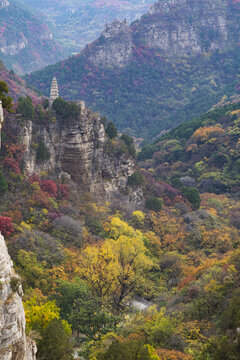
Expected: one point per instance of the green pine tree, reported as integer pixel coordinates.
(55, 343)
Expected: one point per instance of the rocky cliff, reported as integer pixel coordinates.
(79, 150)
(181, 27)
(177, 27)
(13, 343)
(114, 47)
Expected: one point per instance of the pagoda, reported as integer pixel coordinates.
(1, 120)
(4, 3)
(54, 94)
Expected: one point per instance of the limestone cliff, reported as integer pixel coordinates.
(13, 343)
(114, 47)
(177, 27)
(78, 150)
(181, 27)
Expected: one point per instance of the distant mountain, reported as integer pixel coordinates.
(26, 43)
(76, 23)
(17, 86)
(168, 67)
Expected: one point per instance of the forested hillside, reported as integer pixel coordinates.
(76, 23)
(26, 43)
(173, 64)
(84, 264)
(16, 85)
(203, 152)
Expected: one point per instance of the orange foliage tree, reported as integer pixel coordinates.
(169, 232)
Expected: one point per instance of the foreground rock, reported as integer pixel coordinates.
(13, 343)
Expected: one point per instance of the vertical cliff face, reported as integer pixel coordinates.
(177, 27)
(114, 47)
(182, 27)
(13, 342)
(78, 150)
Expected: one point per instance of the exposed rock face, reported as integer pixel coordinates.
(78, 151)
(15, 47)
(114, 47)
(176, 27)
(182, 27)
(13, 342)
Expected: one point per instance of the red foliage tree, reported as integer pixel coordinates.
(34, 178)
(40, 198)
(12, 164)
(16, 151)
(50, 187)
(6, 226)
(63, 191)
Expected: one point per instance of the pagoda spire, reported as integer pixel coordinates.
(1, 121)
(54, 94)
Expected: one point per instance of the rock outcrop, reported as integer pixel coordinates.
(13, 342)
(114, 47)
(184, 27)
(78, 150)
(176, 27)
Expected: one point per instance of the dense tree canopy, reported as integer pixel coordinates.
(6, 100)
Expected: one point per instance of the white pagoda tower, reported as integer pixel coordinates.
(4, 3)
(1, 120)
(54, 94)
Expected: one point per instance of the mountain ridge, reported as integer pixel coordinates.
(160, 70)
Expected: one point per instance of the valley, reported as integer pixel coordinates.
(77, 23)
(111, 251)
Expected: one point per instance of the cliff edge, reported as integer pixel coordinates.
(79, 150)
(13, 342)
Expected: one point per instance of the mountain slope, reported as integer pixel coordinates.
(174, 63)
(26, 43)
(76, 23)
(17, 86)
(202, 153)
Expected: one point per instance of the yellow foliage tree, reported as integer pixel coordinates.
(117, 227)
(207, 132)
(39, 314)
(138, 218)
(115, 268)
